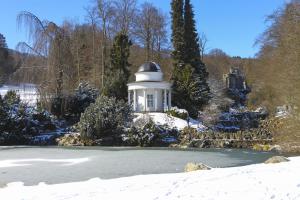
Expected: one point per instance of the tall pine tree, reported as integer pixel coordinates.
(117, 74)
(177, 32)
(190, 88)
(193, 54)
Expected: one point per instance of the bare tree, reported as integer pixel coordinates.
(105, 13)
(53, 43)
(203, 44)
(92, 17)
(150, 29)
(125, 12)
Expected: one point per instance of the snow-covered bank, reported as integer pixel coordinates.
(173, 122)
(253, 182)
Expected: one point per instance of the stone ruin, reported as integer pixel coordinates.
(236, 86)
(238, 117)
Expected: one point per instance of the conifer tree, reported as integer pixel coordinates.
(190, 89)
(3, 48)
(177, 31)
(3, 44)
(118, 73)
(192, 52)
(191, 40)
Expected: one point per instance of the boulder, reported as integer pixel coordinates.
(195, 166)
(276, 148)
(276, 159)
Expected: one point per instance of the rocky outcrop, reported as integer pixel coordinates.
(234, 121)
(195, 167)
(276, 159)
(210, 139)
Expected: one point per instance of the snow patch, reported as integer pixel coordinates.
(173, 122)
(26, 162)
(260, 181)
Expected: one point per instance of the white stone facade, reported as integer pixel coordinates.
(149, 93)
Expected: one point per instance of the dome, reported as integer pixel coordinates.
(149, 67)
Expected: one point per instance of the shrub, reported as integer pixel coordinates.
(145, 132)
(179, 113)
(84, 95)
(106, 117)
(145, 135)
(19, 122)
(57, 106)
(70, 107)
(12, 98)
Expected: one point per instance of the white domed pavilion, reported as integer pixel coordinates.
(149, 93)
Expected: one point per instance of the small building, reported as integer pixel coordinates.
(149, 93)
(235, 80)
(236, 85)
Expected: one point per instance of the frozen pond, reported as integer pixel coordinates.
(32, 165)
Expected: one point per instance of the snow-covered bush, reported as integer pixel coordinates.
(179, 113)
(84, 95)
(12, 98)
(19, 122)
(145, 132)
(106, 117)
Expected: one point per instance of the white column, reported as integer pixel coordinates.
(155, 100)
(165, 99)
(134, 100)
(145, 101)
(169, 104)
(129, 102)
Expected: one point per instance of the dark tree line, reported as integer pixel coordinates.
(8, 63)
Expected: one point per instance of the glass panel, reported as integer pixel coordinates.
(150, 100)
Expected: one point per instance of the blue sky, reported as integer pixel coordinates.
(231, 25)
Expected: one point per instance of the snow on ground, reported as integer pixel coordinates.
(26, 162)
(253, 182)
(173, 122)
(28, 92)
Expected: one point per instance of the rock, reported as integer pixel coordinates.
(276, 159)
(195, 166)
(262, 111)
(276, 148)
(174, 145)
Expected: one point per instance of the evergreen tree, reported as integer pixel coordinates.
(3, 48)
(3, 44)
(5, 61)
(191, 40)
(193, 55)
(118, 73)
(190, 88)
(177, 32)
